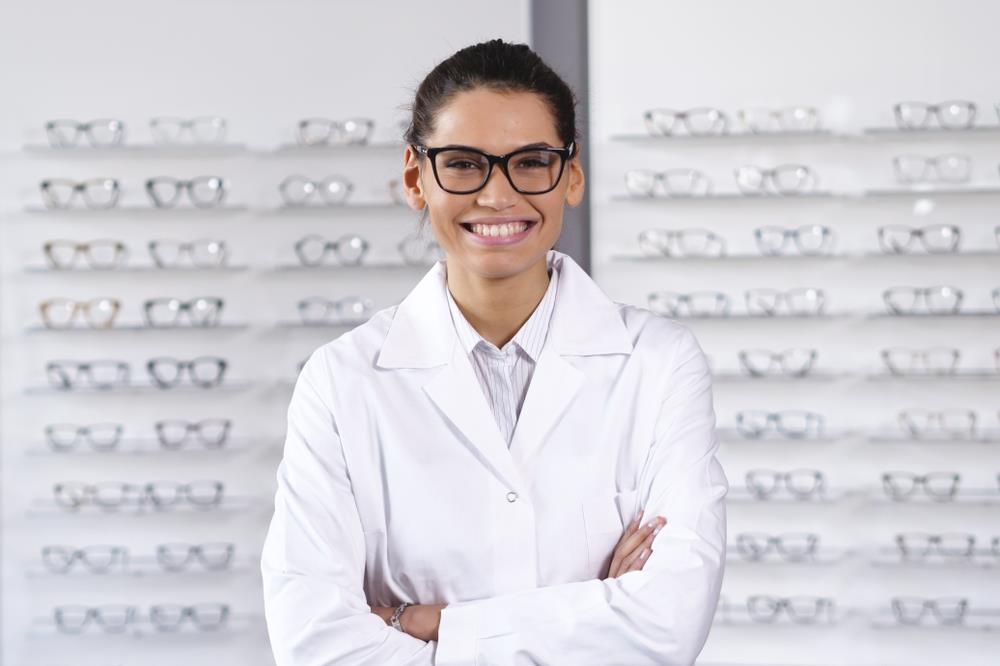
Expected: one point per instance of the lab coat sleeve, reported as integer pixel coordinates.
(313, 559)
(660, 615)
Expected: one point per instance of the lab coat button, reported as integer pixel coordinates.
(512, 496)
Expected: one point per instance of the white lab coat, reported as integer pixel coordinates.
(396, 485)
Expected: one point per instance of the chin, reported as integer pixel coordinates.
(498, 265)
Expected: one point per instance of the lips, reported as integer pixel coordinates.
(499, 232)
(502, 229)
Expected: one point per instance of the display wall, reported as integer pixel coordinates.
(261, 66)
(813, 572)
(822, 592)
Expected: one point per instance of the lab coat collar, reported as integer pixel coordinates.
(585, 321)
(530, 338)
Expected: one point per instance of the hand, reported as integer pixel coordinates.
(420, 620)
(635, 546)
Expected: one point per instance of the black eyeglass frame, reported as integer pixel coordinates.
(565, 154)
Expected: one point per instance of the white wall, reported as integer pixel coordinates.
(851, 60)
(263, 65)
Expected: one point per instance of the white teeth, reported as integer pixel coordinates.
(493, 230)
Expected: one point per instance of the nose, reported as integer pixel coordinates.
(498, 193)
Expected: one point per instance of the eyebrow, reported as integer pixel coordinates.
(537, 144)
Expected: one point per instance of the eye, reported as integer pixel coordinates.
(461, 164)
(537, 160)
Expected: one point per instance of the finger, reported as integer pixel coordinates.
(631, 527)
(629, 531)
(631, 546)
(639, 561)
(637, 537)
(637, 558)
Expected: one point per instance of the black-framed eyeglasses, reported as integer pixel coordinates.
(529, 170)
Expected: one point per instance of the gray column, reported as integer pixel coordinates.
(559, 36)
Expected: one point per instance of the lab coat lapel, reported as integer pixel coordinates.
(554, 385)
(457, 393)
(585, 322)
(422, 335)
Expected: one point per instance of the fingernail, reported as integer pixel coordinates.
(657, 530)
(643, 554)
(651, 524)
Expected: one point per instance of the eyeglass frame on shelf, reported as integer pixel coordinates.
(117, 127)
(934, 544)
(934, 110)
(83, 434)
(81, 186)
(181, 185)
(83, 309)
(922, 481)
(776, 543)
(779, 357)
(187, 247)
(117, 556)
(85, 250)
(924, 354)
(194, 552)
(187, 366)
(123, 373)
(818, 488)
(795, 233)
(932, 605)
(820, 604)
(188, 124)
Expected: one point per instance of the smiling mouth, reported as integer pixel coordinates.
(507, 229)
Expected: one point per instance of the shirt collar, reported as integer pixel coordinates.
(530, 337)
(585, 322)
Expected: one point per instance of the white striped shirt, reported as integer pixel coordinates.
(504, 374)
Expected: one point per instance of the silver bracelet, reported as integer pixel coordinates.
(394, 620)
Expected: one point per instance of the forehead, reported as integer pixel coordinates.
(494, 121)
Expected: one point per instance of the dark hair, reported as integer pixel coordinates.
(499, 66)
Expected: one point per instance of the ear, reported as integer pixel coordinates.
(411, 179)
(577, 182)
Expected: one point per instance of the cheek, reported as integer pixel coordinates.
(442, 212)
(551, 210)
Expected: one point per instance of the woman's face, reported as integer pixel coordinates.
(496, 123)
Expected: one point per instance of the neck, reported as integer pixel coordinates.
(498, 307)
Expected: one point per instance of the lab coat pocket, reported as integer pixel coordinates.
(605, 518)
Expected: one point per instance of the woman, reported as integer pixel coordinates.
(480, 450)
